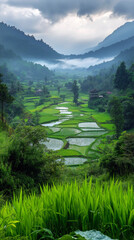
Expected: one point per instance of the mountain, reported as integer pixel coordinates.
(121, 39)
(119, 46)
(27, 47)
(7, 54)
(121, 33)
(23, 70)
(24, 45)
(124, 49)
(108, 52)
(126, 56)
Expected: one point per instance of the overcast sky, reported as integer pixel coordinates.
(69, 26)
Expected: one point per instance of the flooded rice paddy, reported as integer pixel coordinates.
(79, 137)
(54, 144)
(81, 141)
(88, 125)
(52, 124)
(72, 161)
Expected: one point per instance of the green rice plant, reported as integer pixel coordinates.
(6, 225)
(74, 121)
(82, 150)
(67, 125)
(69, 152)
(108, 126)
(101, 117)
(67, 132)
(107, 207)
(43, 233)
(50, 111)
(30, 98)
(44, 117)
(71, 122)
(95, 145)
(91, 133)
(110, 133)
(29, 106)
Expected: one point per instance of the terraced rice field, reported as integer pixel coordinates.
(74, 134)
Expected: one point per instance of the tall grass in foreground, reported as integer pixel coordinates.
(64, 208)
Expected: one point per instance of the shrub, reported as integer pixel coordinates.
(120, 159)
(28, 161)
(6, 179)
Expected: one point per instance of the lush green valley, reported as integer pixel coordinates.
(66, 163)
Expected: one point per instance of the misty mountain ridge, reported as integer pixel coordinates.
(24, 45)
(27, 47)
(7, 54)
(110, 51)
(23, 70)
(121, 33)
(125, 47)
(126, 56)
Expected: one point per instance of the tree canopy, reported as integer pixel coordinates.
(120, 159)
(75, 90)
(27, 161)
(5, 97)
(116, 113)
(122, 77)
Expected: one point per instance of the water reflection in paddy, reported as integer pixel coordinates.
(54, 144)
(88, 125)
(61, 108)
(81, 141)
(65, 112)
(51, 124)
(74, 160)
(92, 129)
(92, 134)
(54, 129)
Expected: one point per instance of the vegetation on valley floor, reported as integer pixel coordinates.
(98, 204)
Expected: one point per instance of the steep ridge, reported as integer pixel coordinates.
(24, 45)
(22, 69)
(121, 33)
(110, 51)
(127, 56)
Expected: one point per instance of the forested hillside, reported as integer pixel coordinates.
(24, 45)
(24, 70)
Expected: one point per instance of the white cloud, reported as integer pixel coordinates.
(74, 63)
(74, 34)
(26, 19)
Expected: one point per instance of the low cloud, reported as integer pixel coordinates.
(74, 63)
